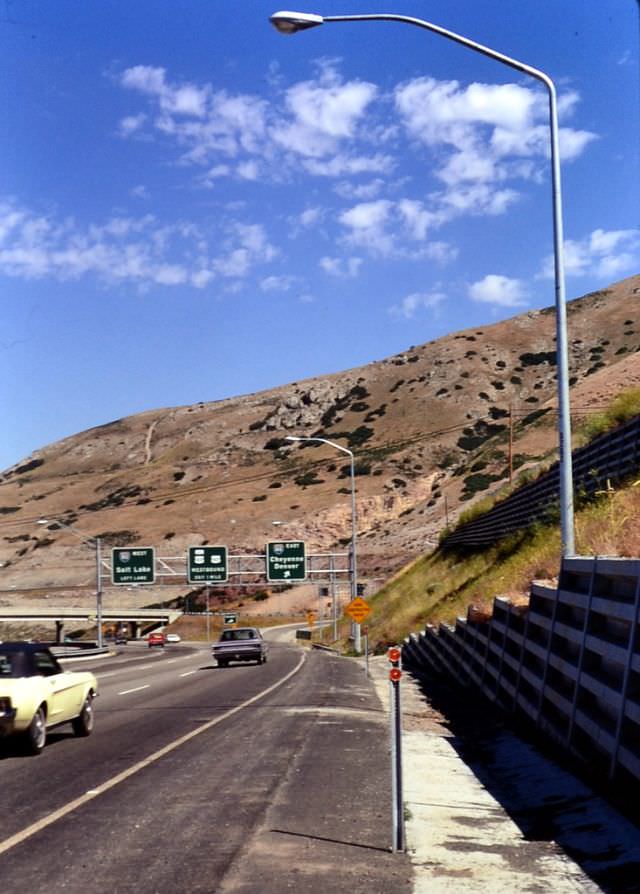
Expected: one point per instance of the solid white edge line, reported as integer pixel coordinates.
(41, 824)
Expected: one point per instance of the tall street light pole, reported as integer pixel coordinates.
(291, 22)
(354, 530)
(95, 543)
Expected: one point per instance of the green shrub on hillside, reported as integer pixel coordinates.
(623, 408)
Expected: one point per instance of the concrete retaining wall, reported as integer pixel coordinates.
(569, 662)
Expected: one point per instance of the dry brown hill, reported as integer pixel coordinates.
(430, 429)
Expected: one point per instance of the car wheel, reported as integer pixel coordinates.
(264, 659)
(222, 662)
(36, 734)
(83, 723)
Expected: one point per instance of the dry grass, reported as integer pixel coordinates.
(439, 587)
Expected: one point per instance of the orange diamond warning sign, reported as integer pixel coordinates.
(358, 609)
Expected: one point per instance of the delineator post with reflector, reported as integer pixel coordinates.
(394, 654)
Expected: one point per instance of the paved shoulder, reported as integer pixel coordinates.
(329, 827)
(489, 813)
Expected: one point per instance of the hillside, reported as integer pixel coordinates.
(430, 429)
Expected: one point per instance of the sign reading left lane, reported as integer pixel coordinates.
(133, 565)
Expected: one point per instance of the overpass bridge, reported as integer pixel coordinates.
(134, 617)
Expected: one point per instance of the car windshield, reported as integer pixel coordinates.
(238, 634)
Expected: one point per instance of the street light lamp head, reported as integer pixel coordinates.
(289, 22)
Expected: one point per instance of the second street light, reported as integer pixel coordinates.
(291, 22)
(354, 531)
(91, 542)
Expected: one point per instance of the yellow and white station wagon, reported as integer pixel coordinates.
(37, 694)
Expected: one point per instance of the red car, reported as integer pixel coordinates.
(155, 639)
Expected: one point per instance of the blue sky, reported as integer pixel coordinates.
(193, 206)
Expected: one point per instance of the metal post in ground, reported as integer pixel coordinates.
(365, 632)
(396, 751)
(334, 606)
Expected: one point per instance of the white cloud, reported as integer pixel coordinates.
(417, 301)
(416, 218)
(341, 267)
(499, 290)
(131, 124)
(183, 99)
(341, 165)
(248, 170)
(367, 224)
(277, 283)
(310, 217)
(573, 142)
(485, 135)
(361, 191)
(204, 123)
(395, 229)
(138, 250)
(322, 113)
(139, 192)
(476, 198)
(603, 253)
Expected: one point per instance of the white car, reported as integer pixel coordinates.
(37, 694)
(172, 638)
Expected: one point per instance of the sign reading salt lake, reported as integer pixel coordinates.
(207, 564)
(286, 560)
(133, 565)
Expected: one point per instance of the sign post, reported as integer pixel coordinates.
(207, 565)
(286, 560)
(133, 565)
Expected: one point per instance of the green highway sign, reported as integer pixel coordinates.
(286, 560)
(230, 619)
(133, 565)
(207, 564)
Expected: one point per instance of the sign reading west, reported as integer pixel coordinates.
(286, 560)
(207, 564)
(133, 565)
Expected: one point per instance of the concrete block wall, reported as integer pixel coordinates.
(569, 662)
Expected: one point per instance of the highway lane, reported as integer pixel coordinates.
(148, 698)
(185, 819)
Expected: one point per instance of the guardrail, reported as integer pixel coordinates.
(610, 457)
(568, 663)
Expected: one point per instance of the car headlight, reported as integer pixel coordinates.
(5, 705)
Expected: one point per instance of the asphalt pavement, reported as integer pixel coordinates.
(274, 778)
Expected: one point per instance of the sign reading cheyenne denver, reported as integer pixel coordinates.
(207, 564)
(133, 565)
(286, 560)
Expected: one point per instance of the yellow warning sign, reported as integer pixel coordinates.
(358, 609)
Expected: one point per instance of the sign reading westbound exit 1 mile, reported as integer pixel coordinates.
(286, 560)
(133, 565)
(207, 564)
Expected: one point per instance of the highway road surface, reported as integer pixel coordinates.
(248, 779)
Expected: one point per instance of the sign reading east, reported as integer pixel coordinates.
(286, 560)
(207, 564)
(133, 565)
